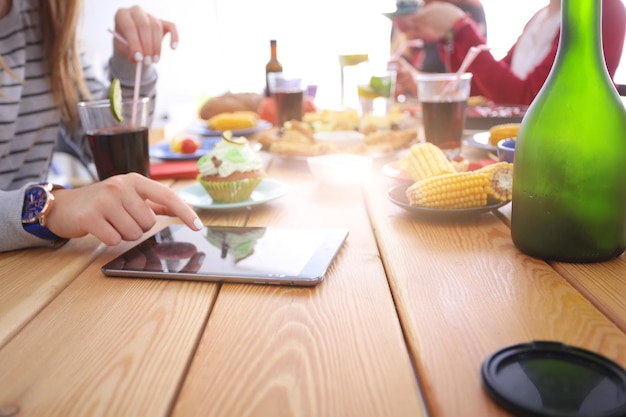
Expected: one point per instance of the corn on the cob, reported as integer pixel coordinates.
(452, 191)
(425, 160)
(503, 131)
(500, 177)
(233, 120)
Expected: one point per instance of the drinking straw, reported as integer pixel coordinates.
(469, 58)
(137, 79)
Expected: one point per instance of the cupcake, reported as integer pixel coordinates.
(231, 170)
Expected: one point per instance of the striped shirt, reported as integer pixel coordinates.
(30, 124)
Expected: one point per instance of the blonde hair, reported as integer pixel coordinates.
(59, 22)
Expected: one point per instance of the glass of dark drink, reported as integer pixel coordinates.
(443, 98)
(118, 146)
(288, 93)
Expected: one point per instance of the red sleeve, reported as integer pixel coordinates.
(495, 80)
(613, 31)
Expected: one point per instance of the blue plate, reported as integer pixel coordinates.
(162, 150)
(201, 129)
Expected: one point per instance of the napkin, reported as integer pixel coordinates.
(174, 170)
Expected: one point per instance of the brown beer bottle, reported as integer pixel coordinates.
(273, 65)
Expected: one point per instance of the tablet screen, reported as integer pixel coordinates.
(260, 255)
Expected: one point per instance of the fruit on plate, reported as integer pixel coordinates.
(241, 119)
(503, 131)
(186, 145)
(267, 108)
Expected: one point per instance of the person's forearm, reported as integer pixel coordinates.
(12, 233)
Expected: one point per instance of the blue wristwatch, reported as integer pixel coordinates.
(38, 201)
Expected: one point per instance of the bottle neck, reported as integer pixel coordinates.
(581, 28)
(273, 53)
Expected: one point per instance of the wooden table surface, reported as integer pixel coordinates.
(399, 327)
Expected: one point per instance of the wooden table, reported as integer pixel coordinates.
(399, 327)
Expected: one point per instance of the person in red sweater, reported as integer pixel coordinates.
(426, 58)
(518, 77)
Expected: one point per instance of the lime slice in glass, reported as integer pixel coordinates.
(382, 85)
(353, 59)
(367, 91)
(115, 98)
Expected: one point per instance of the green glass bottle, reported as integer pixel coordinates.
(569, 181)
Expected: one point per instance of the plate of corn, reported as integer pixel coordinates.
(398, 195)
(438, 188)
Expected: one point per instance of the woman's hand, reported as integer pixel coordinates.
(121, 207)
(431, 22)
(405, 78)
(144, 34)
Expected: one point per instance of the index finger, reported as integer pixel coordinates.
(166, 197)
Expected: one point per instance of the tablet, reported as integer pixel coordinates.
(257, 255)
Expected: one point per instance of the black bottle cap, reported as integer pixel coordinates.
(550, 379)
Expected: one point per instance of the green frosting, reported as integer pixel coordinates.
(234, 155)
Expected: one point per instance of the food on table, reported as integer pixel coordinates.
(503, 131)
(298, 140)
(477, 101)
(243, 119)
(500, 180)
(267, 108)
(425, 160)
(330, 120)
(492, 110)
(185, 145)
(461, 190)
(230, 102)
(385, 141)
(231, 170)
(450, 191)
(460, 164)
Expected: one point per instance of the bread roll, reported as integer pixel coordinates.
(230, 102)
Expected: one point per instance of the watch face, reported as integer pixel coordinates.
(36, 200)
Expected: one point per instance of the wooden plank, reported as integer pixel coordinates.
(32, 278)
(464, 291)
(333, 350)
(106, 346)
(604, 283)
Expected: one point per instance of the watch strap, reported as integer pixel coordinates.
(40, 231)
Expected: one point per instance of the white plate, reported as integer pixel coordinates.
(201, 129)
(267, 190)
(480, 140)
(162, 150)
(397, 195)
